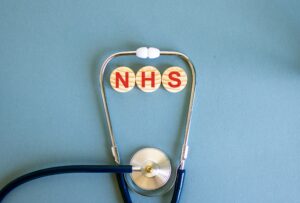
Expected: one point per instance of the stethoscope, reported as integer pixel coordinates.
(150, 170)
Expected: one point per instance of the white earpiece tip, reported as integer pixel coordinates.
(153, 53)
(142, 52)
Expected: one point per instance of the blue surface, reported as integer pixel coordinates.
(245, 132)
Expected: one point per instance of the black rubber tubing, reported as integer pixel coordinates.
(120, 170)
(123, 188)
(178, 186)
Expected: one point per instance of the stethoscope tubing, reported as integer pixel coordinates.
(118, 170)
(121, 169)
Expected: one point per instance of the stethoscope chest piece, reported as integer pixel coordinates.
(154, 171)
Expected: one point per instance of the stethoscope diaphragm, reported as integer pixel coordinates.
(154, 176)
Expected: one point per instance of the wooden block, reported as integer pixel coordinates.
(148, 79)
(122, 79)
(174, 79)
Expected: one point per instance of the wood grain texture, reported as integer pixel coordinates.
(174, 79)
(130, 81)
(148, 72)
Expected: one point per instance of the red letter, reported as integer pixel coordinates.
(152, 79)
(124, 82)
(177, 80)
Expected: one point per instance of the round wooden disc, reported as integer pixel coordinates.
(148, 79)
(122, 79)
(174, 79)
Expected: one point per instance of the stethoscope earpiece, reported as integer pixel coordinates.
(145, 52)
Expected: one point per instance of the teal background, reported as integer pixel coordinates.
(245, 132)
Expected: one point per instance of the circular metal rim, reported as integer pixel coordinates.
(159, 156)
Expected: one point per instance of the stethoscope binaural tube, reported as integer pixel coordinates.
(150, 53)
